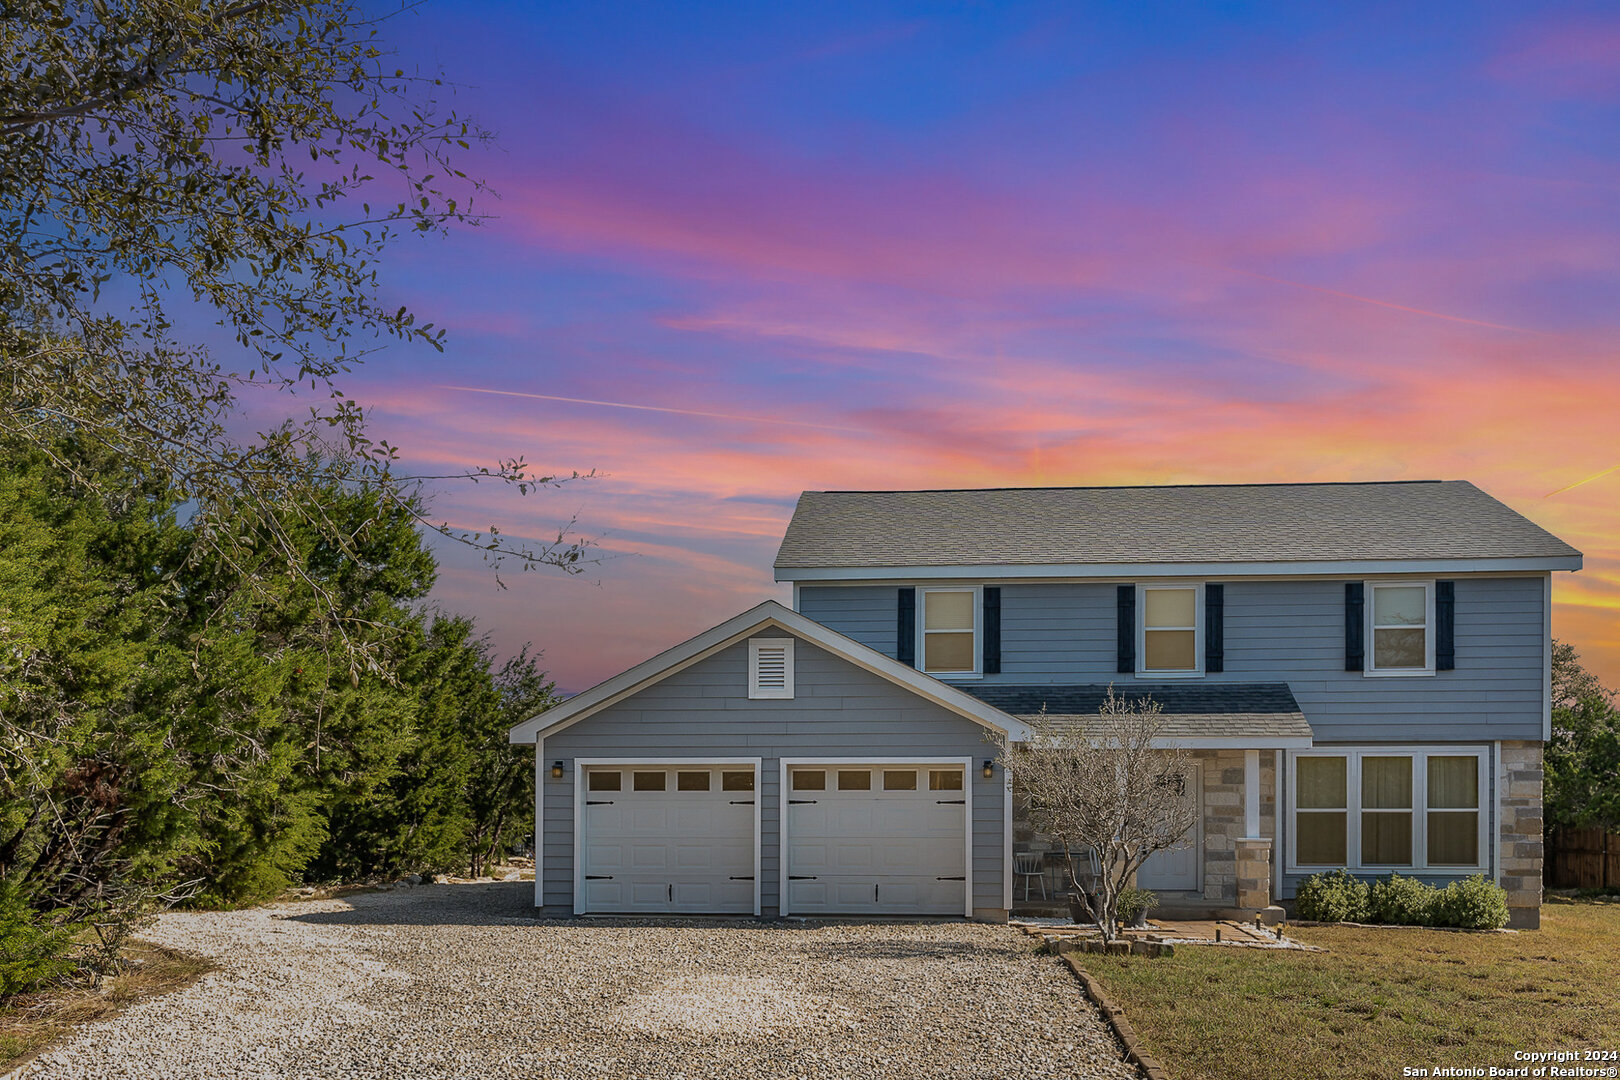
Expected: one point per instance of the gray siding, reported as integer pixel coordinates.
(839, 710)
(1289, 631)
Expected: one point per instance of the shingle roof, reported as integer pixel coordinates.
(1209, 710)
(1406, 520)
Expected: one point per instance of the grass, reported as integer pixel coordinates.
(30, 1023)
(1377, 1000)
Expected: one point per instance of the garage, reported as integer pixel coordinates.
(875, 838)
(668, 839)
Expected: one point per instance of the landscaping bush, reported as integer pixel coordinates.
(1336, 896)
(1402, 901)
(33, 951)
(1473, 903)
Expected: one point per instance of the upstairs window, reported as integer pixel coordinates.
(1399, 618)
(1170, 630)
(950, 631)
(770, 667)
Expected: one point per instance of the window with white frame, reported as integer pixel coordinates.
(1170, 634)
(1399, 618)
(1388, 809)
(770, 667)
(950, 631)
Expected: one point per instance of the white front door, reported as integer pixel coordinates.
(667, 839)
(1176, 869)
(876, 840)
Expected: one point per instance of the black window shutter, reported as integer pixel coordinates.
(1355, 653)
(1127, 630)
(992, 630)
(905, 628)
(1214, 628)
(1445, 633)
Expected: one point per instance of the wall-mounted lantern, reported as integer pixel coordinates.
(989, 768)
(556, 770)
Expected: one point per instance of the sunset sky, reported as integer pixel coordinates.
(741, 252)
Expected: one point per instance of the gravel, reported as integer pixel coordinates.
(462, 980)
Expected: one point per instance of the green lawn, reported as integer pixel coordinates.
(1377, 1000)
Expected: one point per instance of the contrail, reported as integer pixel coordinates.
(1386, 303)
(649, 408)
(1578, 483)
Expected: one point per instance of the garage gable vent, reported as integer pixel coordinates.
(770, 667)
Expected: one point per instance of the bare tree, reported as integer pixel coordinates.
(1107, 784)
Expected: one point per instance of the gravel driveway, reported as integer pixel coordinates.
(462, 980)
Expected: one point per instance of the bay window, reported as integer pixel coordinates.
(1407, 809)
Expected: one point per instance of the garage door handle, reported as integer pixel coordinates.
(801, 877)
(742, 802)
(598, 802)
(951, 802)
(958, 878)
(734, 877)
(799, 802)
(598, 877)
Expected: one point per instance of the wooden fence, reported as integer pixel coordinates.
(1582, 859)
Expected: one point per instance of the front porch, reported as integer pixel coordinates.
(1223, 870)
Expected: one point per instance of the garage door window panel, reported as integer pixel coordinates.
(945, 780)
(809, 780)
(692, 781)
(597, 780)
(899, 780)
(648, 781)
(737, 780)
(854, 780)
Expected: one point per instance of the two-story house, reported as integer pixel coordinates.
(1359, 671)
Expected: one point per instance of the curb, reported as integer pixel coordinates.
(1115, 1016)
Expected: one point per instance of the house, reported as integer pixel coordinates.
(1360, 673)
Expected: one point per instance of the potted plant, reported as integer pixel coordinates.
(1134, 905)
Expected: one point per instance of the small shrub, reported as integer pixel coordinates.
(1133, 902)
(33, 950)
(1402, 901)
(1473, 903)
(1336, 896)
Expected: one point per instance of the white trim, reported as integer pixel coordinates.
(1006, 840)
(1197, 670)
(1277, 827)
(1251, 794)
(1419, 753)
(755, 691)
(1546, 662)
(1235, 742)
(1125, 572)
(581, 764)
(539, 824)
(967, 820)
(795, 598)
(1498, 790)
(769, 615)
(1370, 669)
(922, 631)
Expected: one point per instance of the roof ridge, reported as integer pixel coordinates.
(1122, 487)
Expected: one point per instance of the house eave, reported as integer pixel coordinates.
(1136, 571)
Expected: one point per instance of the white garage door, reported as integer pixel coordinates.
(876, 840)
(668, 840)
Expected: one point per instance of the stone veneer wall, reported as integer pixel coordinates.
(1224, 817)
(1223, 823)
(1519, 831)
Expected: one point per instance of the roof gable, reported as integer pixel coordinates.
(767, 615)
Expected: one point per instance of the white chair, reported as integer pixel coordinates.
(1027, 865)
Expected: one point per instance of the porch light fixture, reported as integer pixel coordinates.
(556, 770)
(989, 768)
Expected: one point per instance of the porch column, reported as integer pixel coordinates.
(1253, 851)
